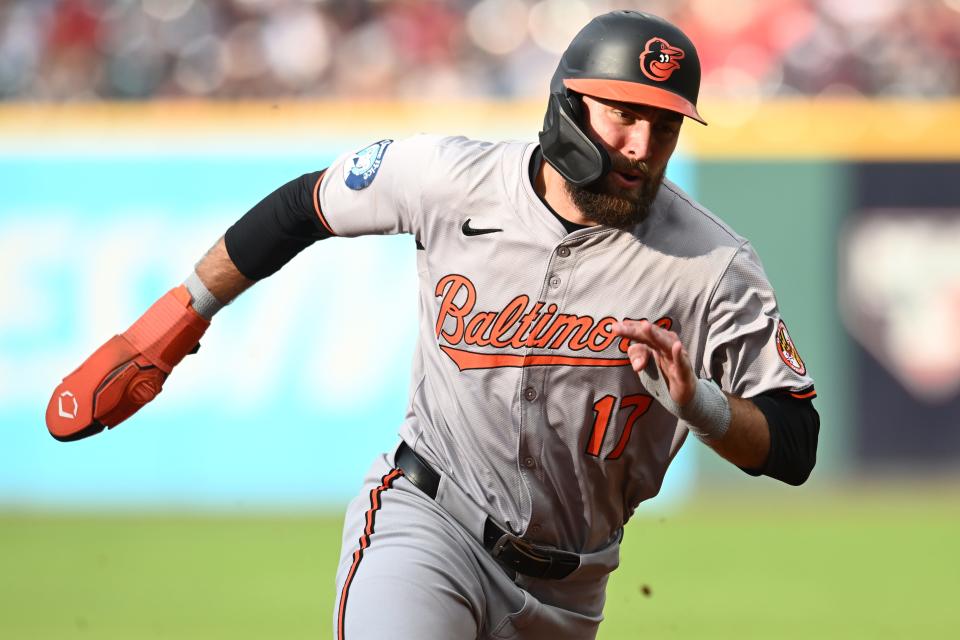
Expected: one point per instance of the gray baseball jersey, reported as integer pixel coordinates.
(521, 393)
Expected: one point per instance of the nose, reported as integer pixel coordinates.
(638, 143)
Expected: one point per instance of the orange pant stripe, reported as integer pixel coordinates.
(386, 483)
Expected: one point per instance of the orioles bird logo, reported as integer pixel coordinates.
(659, 59)
(788, 352)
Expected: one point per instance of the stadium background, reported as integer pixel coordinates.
(132, 133)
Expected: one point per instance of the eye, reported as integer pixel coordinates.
(667, 129)
(667, 126)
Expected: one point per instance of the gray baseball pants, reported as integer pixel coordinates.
(411, 570)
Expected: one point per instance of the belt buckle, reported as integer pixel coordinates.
(519, 544)
(519, 550)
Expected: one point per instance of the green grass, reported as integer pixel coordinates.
(856, 566)
(860, 567)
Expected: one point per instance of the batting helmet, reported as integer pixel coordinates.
(628, 56)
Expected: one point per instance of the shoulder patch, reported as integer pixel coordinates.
(362, 168)
(788, 352)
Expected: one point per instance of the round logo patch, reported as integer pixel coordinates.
(660, 59)
(362, 168)
(788, 352)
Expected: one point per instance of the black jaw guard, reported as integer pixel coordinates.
(566, 147)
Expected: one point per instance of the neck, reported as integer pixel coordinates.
(551, 186)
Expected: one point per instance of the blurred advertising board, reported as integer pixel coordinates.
(899, 268)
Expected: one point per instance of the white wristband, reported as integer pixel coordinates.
(707, 415)
(202, 301)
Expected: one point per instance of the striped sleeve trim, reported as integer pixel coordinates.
(804, 394)
(316, 204)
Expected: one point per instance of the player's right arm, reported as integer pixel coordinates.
(220, 275)
(129, 370)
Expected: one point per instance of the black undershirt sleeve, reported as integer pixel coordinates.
(794, 428)
(276, 229)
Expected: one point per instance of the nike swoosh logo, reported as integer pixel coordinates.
(470, 231)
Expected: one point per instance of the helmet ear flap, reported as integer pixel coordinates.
(566, 147)
(574, 104)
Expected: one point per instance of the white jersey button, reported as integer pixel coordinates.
(530, 394)
(529, 462)
(554, 281)
(563, 252)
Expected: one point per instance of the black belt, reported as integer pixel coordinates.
(514, 553)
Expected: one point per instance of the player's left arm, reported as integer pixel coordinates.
(773, 434)
(732, 426)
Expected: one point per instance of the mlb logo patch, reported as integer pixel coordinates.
(361, 169)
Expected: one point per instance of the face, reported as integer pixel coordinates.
(640, 141)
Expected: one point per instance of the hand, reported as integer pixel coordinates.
(654, 345)
(128, 371)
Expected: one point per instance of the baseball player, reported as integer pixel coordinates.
(580, 315)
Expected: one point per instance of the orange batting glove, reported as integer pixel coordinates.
(128, 371)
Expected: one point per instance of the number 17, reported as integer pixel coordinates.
(603, 407)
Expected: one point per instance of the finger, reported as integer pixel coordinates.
(661, 339)
(677, 353)
(630, 329)
(669, 355)
(679, 373)
(639, 355)
(641, 331)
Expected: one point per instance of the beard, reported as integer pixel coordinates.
(606, 202)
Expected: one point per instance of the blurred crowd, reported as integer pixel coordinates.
(59, 50)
